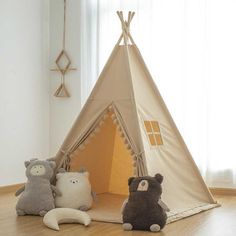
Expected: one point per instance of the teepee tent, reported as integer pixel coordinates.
(125, 129)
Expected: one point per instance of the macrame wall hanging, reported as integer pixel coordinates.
(63, 62)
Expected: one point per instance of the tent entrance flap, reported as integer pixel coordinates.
(107, 159)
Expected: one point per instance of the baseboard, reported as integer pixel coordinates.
(10, 188)
(223, 191)
(214, 191)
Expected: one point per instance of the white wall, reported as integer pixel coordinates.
(24, 95)
(34, 123)
(64, 110)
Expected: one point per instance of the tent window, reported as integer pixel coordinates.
(153, 132)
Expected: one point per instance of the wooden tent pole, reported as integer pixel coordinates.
(126, 36)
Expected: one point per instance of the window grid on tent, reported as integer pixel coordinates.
(154, 133)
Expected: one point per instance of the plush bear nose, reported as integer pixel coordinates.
(143, 183)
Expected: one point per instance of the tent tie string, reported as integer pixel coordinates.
(62, 151)
(139, 155)
(65, 153)
(67, 159)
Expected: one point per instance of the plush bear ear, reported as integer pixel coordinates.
(86, 174)
(52, 164)
(50, 159)
(61, 170)
(27, 163)
(82, 170)
(130, 180)
(58, 175)
(159, 178)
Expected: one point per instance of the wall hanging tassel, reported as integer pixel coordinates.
(63, 63)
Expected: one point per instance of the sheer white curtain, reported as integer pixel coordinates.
(189, 47)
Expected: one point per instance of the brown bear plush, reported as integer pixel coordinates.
(143, 210)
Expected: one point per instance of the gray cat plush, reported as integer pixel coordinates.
(37, 195)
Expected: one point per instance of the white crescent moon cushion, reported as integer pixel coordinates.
(65, 215)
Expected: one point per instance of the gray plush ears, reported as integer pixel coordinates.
(130, 180)
(51, 163)
(159, 178)
(51, 159)
(27, 163)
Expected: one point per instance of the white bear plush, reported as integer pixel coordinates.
(75, 190)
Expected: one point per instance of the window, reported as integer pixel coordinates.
(153, 132)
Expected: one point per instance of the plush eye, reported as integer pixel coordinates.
(74, 181)
(143, 185)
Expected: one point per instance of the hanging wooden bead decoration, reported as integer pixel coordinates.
(63, 63)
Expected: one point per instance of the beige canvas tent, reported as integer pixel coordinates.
(125, 129)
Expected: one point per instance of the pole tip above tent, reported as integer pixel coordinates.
(125, 24)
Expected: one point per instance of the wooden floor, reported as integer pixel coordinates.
(219, 221)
